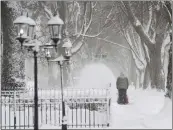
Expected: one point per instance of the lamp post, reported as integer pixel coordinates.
(60, 61)
(25, 31)
(66, 55)
(55, 28)
(35, 49)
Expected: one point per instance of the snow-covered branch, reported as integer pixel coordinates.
(154, 34)
(146, 53)
(129, 41)
(84, 28)
(166, 43)
(85, 16)
(92, 36)
(48, 12)
(77, 17)
(132, 45)
(168, 11)
(84, 21)
(108, 19)
(109, 14)
(90, 19)
(77, 47)
(136, 42)
(94, 5)
(137, 25)
(114, 43)
(150, 19)
(71, 11)
(123, 8)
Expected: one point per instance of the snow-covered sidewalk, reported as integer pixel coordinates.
(148, 109)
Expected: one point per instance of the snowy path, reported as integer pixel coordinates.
(147, 109)
(126, 117)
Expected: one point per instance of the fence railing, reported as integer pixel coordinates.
(84, 108)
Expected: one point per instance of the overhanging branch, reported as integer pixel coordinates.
(150, 19)
(90, 19)
(113, 43)
(48, 12)
(127, 37)
(77, 47)
(137, 25)
(169, 11)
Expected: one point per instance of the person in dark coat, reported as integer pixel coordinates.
(122, 86)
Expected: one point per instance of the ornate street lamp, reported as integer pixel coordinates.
(67, 48)
(48, 55)
(55, 27)
(66, 54)
(61, 59)
(25, 31)
(48, 48)
(25, 28)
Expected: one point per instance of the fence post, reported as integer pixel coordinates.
(1, 110)
(108, 105)
(14, 109)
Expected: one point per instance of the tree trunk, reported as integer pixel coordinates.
(146, 82)
(11, 67)
(157, 77)
(154, 44)
(169, 76)
(7, 49)
(140, 76)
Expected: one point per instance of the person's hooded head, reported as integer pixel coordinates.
(122, 75)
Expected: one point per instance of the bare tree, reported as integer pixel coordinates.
(153, 38)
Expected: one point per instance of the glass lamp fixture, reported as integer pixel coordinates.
(67, 48)
(25, 28)
(55, 27)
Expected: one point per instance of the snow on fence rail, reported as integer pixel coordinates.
(84, 108)
(56, 93)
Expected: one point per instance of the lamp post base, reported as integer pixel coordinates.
(64, 120)
(64, 126)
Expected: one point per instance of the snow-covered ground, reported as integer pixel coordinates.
(146, 109)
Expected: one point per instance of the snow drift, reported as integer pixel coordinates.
(98, 75)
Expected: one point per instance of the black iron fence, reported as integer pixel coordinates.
(84, 108)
